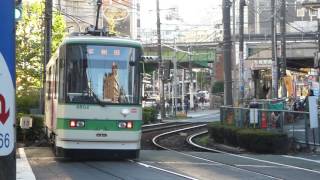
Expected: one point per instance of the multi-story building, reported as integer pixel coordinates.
(301, 28)
(111, 90)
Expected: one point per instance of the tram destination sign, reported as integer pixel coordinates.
(7, 77)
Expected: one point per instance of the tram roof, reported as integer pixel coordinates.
(102, 40)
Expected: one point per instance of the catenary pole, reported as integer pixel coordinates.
(283, 46)
(227, 53)
(47, 47)
(241, 61)
(274, 51)
(162, 103)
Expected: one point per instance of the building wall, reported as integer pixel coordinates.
(219, 68)
(80, 14)
(298, 18)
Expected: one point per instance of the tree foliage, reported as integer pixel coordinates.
(218, 87)
(30, 47)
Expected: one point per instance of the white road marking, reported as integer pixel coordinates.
(297, 130)
(196, 157)
(184, 163)
(24, 170)
(255, 166)
(164, 170)
(255, 159)
(301, 158)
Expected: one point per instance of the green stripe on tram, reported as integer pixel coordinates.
(92, 124)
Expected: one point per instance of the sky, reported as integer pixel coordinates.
(191, 11)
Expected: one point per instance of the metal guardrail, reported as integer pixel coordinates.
(295, 124)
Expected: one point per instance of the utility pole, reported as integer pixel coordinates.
(227, 53)
(283, 46)
(318, 34)
(182, 90)
(191, 79)
(175, 78)
(162, 105)
(47, 47)
(241, 63)
(274, 50)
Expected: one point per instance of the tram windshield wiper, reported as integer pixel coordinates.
(96, 97)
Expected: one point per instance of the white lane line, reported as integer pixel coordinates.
(184, 163)
(301, 158)
(255, 166)
(164, 170)
(207, 160)
(297, 130)
(254, 159)
(24, 170)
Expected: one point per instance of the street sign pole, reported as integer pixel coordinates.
(7, 91)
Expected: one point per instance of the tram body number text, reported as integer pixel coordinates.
(4, 140)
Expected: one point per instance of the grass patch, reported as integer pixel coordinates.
(203, 140)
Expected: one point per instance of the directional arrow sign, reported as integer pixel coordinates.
(3, 114)
(7, 78)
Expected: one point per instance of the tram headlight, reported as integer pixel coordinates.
(73, 123)
(125, 124)
(80, 123)
(129, 125)
(76, 124)
(122, 124)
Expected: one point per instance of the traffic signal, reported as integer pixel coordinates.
(18, 10)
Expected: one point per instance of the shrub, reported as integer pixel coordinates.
(149, 115)
(36, 132)
(261, 141)
(216, 132)
(256, 140)
(231, 135)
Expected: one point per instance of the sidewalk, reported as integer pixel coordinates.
(193, 116)
(24, 171)
(199, 113)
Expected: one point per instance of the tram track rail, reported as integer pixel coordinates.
(162, 126)
(199, 131)
(149, 132)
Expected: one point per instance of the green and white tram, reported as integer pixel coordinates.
(93, 101)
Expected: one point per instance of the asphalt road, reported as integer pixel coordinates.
(162, 165)
(172, 165)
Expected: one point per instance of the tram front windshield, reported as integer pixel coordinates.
(102, 74)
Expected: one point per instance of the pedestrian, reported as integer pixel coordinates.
(186, 105)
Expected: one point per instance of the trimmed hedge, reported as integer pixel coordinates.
(149, 114)
(255, 140)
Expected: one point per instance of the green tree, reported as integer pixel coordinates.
(29, 50)
(218, 87)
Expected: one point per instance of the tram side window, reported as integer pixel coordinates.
(61, 74)
(55, 79)
(49, 84)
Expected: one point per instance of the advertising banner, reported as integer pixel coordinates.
(313, 110)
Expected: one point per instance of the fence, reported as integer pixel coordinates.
(294, 123)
